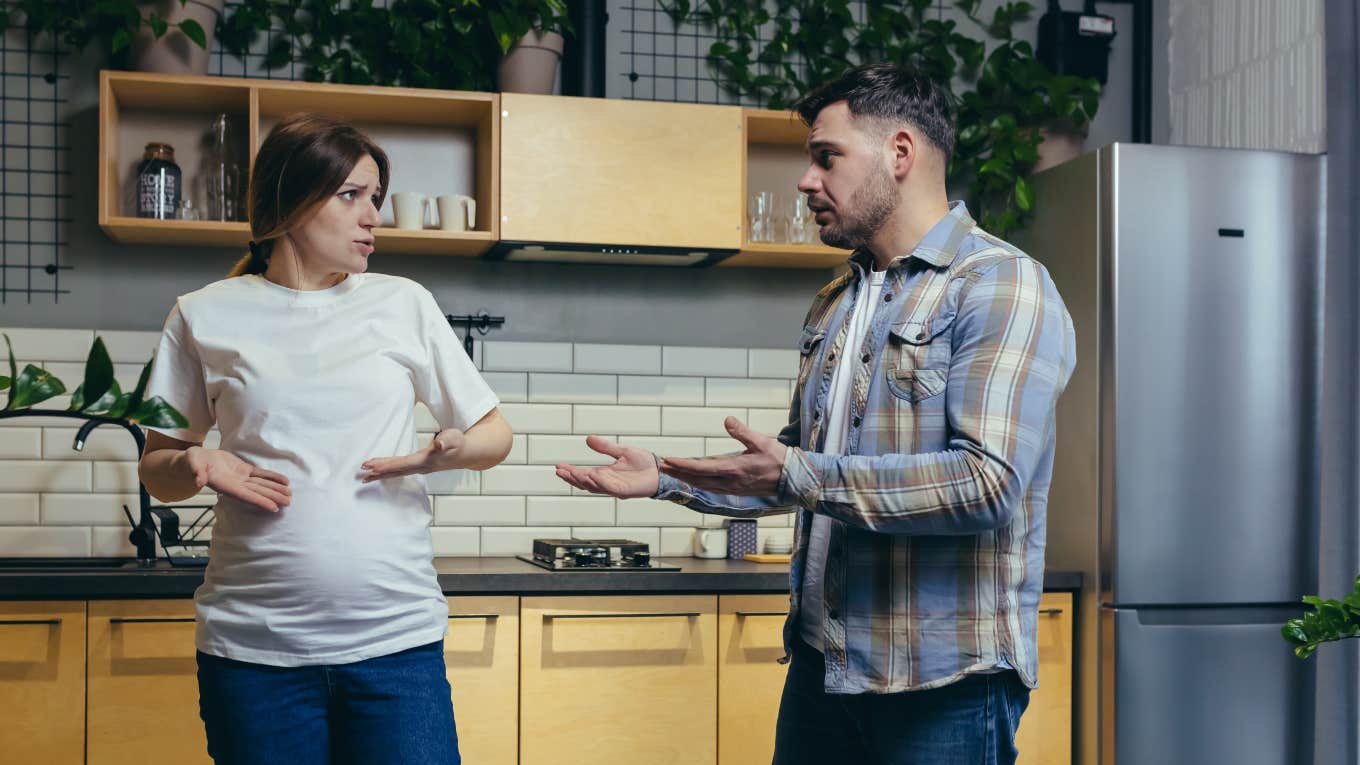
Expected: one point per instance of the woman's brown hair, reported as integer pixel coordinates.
(302, 162)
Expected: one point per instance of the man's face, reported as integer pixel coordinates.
(848, 183)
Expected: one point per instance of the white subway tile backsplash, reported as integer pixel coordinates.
(657, 512)
(456, 541)
(129, 347)
(571, 511)
(479, 511)
(519, 541)
(87, 509)
(509, 386)
(519, 450)
(652, 537)
(618, 359)
(616, 420)
(454, 482)
(112, 542)
(773, 362)
(551, 450)
(697, 421)
(19, 510)
(50, 344)
(44, 541)
(20, 443)
(667, 400)
(538, 418)
(704, 362)
(674, 391)
(677, 543)
(667, 446)
(767, 421)
(547, 388)
(766, 392)
(503, 356)
(523, 480)
(38, 421)
(35, 476)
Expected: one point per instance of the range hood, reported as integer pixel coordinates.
(563, 252)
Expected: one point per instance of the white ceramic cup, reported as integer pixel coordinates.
(710, 543)
(408, 209)
(457, 212)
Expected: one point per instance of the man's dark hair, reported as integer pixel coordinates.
(890, 93)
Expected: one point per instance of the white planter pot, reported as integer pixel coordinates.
(531, 65)
(174, 53)
(1059, 145)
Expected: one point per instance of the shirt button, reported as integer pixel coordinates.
(865, 358)
(887, 297)
(817, 415)
(856, 422)
(831, 356)
(920, 335)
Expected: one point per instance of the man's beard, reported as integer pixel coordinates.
(870, 207)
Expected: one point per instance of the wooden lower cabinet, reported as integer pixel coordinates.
(42, 682)
(481, 653)
(750, 677)
(142, 684)
(619, 678)
(1045, 735)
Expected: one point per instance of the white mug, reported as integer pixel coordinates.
(710, 543)
(408, 209)
(457, 212)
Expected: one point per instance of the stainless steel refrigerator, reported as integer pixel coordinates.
(1186, 483)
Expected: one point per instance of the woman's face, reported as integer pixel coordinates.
(338, 238)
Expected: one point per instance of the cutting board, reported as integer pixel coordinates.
(769, 557)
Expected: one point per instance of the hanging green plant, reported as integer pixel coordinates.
(78, 23)
(776, 52)
(98, 394)
(1330, 620)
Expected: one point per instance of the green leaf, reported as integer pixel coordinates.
(158, 25)
(98, 373)
(135, 399)
(1024, 194)
(34, 385)
(100, 407)
(121, 38)
(4, 382)
(194, 31)
(156, 413)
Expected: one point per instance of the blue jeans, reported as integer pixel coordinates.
(970, 722)
(390, 709)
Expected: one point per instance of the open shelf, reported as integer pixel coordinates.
(437, 141)
(775, 157)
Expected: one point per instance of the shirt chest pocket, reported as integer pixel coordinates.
(808, 346)
(918, 357)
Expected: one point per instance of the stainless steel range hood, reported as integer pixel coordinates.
(561, 252)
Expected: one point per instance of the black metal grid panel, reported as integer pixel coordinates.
(35, 168)
(656, 59)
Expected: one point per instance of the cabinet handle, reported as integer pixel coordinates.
(762, 613)
(488, 617)
(163, 620)
(29, 621)
(676, 615)
(1050, 611)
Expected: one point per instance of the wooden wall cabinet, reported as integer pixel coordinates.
(481, 653)
(619, 678)
(610, 171)
(42, 682)
(142, 684)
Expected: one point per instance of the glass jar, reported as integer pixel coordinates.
(159, 183)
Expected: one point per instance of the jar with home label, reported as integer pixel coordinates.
(159, 182)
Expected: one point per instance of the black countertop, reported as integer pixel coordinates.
(96, 579)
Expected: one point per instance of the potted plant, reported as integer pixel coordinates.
(1329, 621)
(529, 35)
(1007, 101)
(131, 33)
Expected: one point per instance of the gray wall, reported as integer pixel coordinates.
(116, 286)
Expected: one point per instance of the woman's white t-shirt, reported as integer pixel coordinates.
(311, 384)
